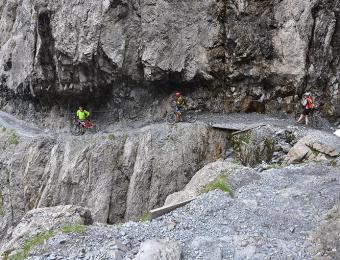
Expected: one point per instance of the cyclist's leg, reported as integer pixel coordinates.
(300, 118)
(307, 121)
(309, 113)
(178, 114)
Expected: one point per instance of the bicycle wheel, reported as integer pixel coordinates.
(317, 121)
(77, 130)
(190, 117)
(171, 118)
(93, 130)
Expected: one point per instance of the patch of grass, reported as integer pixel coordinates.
(217, 151)
(76, 228)
(111, 137)
(3, 129)
(290, 138)
(6, 254)
(14, 139)
(334, 163)
(146, 217)
(239, 143)
(31, 244)
(244, 137)
(237, 162)
(221, 183)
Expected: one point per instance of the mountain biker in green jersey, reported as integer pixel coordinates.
(180, 102)
(82, 115)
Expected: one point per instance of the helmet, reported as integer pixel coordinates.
(307, 94)
(178, 94)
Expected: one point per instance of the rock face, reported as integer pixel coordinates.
(254, 146)
(130, 53)
(118, 176)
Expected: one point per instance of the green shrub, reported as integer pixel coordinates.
(6, 254)
(31, 244)
(76, 228)
(221, 183)
(111, 137)
(14, 139)
(334, 163)
(146, 217)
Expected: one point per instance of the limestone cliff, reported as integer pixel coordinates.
(119, 176)
(130, 53)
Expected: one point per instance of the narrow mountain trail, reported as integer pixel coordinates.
(20, 127)
(237, 121)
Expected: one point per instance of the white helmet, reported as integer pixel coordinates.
(307, 94)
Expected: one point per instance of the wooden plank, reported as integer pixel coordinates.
(226, 127)
(155, 213)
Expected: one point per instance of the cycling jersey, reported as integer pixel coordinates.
(180, 102)
(309, 104)
(82, 115)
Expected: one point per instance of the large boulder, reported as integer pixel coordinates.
(159, 249)
(234, 174)
(311, 148)
(45, 219)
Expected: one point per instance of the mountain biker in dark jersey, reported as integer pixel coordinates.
(308, 107)
(180, 102)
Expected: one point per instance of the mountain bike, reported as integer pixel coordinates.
(189, 116)
(315, 119)
(80, 127)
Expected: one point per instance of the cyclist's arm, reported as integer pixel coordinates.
(87, 113)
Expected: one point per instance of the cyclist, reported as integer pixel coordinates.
(308, 107)
(82, 115)
(180, 102)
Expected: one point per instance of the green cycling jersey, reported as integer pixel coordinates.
(82, 114)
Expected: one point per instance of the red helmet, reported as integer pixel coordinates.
(178, 94)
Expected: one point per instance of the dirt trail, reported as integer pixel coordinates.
(233, 121)
(20, 127)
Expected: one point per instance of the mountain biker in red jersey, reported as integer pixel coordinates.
(308, 107)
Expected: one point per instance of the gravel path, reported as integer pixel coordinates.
(269, 219)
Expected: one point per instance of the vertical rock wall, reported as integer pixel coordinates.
(114, 52)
